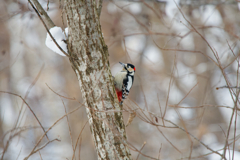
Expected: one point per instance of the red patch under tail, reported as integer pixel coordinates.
(119, 95)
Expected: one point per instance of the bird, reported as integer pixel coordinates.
(123, 81)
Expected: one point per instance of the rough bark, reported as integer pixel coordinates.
(89, 59)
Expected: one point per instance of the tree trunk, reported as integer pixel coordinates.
(89, 59)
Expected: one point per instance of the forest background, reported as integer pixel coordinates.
(186, 55)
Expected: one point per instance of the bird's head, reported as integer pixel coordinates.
(128, 67)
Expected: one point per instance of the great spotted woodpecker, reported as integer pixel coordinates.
(123, 81)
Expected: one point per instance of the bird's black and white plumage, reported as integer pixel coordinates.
(123, 81)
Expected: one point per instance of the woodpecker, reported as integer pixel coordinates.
(123, 81)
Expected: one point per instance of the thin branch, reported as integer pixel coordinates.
(69, 128)
(11, 137)
(33, 150)
(144, 143)
(202, 106)
(45, 145)
(227, 87)
(47, 19)
(159, 151)
(169, 88)
(26, 96)
(74, 99)
(230, 124)
(136, 19)
(194, 137)
(179, 127)
(46, 27)
(79, 136)
(27, 106)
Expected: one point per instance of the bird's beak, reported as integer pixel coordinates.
(122, 64)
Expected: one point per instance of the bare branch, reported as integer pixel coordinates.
(27, 106)
(46, 25)
(141, 149)
(47, 20)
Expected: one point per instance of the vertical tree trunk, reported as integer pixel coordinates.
(89, 59)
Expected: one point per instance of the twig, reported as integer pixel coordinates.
(19, 128)
(179, 127)
(47, 19)
(79, 155)
(193, 137)
(69, 128)
(61, 95)
(19, 154)
(46, 27)
(44, 146)
(8, 142)
(49, 130)
(40, 155)
(227, 87)
(26, 96)
(27, 106)
(144, 143)
(126, 11)
(159, 151)
(202, 106)
(79, 136)
(169, 88)
(229, 127)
